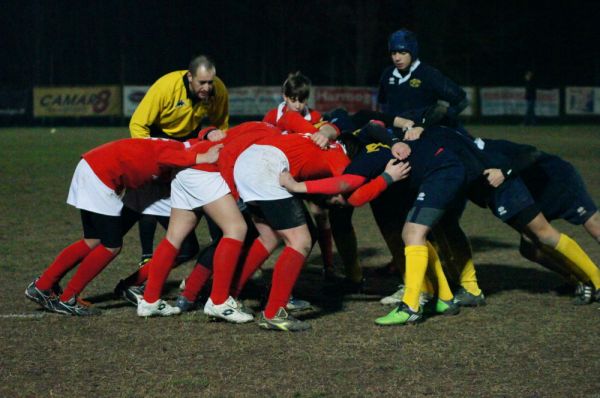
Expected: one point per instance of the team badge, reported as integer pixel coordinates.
(415, 83)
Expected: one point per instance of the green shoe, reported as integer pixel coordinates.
(466, 299)
(448, 307)
(402, 315)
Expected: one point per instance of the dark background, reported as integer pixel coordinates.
(259, 42)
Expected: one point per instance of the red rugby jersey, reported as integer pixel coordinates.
(278, 115)
(307, 160)
(132, 162)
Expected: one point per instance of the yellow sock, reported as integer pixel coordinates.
(555, 261)
(427, 286)
(443, 289)
(416, 265)
(572, 251)
(468, 278)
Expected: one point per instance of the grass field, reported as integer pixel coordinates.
(529, 341)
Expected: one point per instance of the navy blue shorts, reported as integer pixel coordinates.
(559, 190)
(442, 190)
(512, 199)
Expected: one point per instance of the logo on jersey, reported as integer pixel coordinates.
(180, 103)
(392, 80)
(581, 210)
(375, 147)
(502, 211)
(415, 83)
(421, 196)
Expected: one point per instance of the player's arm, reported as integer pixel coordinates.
(394, 171)
(452, 93)
(177, 154)
(513, 159)
(326, 186)
(219, 114)
(374, 132)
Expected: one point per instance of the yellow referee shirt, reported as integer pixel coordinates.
(168, 108)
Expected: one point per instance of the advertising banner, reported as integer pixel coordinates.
(471, 97)
(253, 100)
(77, 101)
(132, 95)
(502, 101)
(582, 100)
(14, 102)
(351, 98)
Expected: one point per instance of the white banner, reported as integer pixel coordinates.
(470, 109)
(253, 100)
(132, 95)
(582, 100)
(502, 101)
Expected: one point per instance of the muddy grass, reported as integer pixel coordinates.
(529, 341)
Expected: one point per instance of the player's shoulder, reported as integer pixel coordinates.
(387, 72)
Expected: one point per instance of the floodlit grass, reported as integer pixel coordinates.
(528, 341)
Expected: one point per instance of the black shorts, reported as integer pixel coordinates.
(559, 190)
(512, 201)
(442, 190)
(108, 229)
(280, 214)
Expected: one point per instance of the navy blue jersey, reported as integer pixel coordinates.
(555, 185)
(411, 95)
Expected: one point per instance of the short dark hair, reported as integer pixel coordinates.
(297, 86)
(201, 61)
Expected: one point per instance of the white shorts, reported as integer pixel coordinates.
(152, 199)
(256, 173)
(88, 192)
(193, 188)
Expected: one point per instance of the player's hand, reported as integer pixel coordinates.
(400, 150)
(216, 135)
(288, 182)
(210, 156)
(397, 170)
(413, 133)
(494, 176)
(320, 140)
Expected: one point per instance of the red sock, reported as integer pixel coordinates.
(138, 277)
(159, 268)
(225, 261)
(255, 258)
(65, 261)
(91, 266)
(286, 271)
(195, 282)
(326, 245)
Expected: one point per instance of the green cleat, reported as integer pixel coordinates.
(282, 321)
(465, 299)
(402, 315)
(446, 307)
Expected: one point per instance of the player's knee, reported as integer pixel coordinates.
(235, 231)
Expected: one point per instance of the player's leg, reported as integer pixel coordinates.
(445, 303)
(344, 236)
(592, 226)
(147, 229)
(287, 218)
(108, 230)
(324, 235)
(542, 233)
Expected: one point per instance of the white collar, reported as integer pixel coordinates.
(281, 110)
(404, 78)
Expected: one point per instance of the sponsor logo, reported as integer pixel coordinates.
(581, 210)
(502, 211)
(421, 196)
(392, 80)
(228, 312)
(180, 103)
(136, 96)
(415, 83)
(99, 101)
